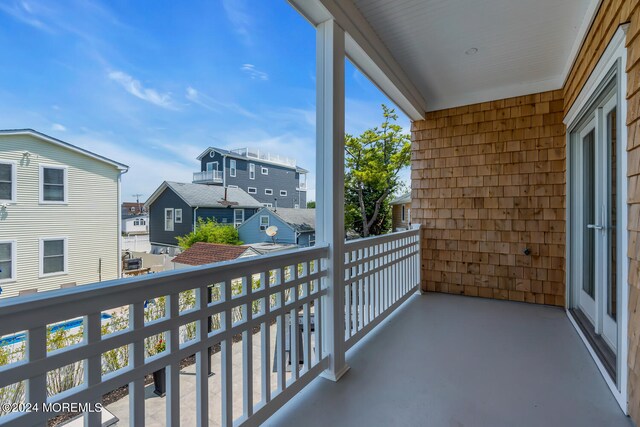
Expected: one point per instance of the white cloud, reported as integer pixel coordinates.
(24, 12)
(135, 88)
(254, 73)
(58, 127)
(212, 104)
(239, 18)
(146, 170)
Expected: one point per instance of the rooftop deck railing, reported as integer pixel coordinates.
(260, 304)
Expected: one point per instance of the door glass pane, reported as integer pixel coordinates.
(611, 286)
(588, 285)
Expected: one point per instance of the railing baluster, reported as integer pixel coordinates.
(281, 324)
(202, 360)
(266, 344)
(173, 369)
(92, 367)
(36, 387)
(136, 360)
(226, 376)
(247, 354)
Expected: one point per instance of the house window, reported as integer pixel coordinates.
(232, 186)
(53, 184)
(264, 171)
(232, 168)
(178, 215)
(136, 222)
(252, 171)
(283, 192)
(168, 219)
(267, 205)
(212, 166)
(7, 261)
(312, 239)
(238, 216)
(143, 222)
(7, 181)
(264, 222)
(132, 208)
(252, 190)
(53, 256)
(402, 216)
(268, 191)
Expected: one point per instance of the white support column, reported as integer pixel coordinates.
(330, 57)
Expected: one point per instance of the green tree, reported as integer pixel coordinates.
(210, 231)
(311, 204)
(373, 164)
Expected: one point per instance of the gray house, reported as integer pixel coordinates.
(175, 207)
(295, 226)
(271, 179)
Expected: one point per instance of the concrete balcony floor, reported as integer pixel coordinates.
(452, 361)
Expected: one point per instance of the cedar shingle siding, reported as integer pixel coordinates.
(488, 182)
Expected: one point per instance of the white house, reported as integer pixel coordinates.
(135, 224)
(59, 214)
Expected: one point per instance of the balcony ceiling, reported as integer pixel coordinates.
(523, 46)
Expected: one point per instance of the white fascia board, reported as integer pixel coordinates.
(368, 53)
(589, 17)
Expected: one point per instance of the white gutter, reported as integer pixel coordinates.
(119, 211)
(224, 170)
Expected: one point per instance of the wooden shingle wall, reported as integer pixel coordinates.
(612, 13)
(488, 182)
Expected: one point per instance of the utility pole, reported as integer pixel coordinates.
(137, 196)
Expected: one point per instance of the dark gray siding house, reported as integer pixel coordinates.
(272, 180)
(175, 207)
(295, 226)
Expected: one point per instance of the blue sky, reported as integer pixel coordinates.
(153, 83)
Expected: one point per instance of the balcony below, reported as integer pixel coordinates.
(207, 177)
(443, 360)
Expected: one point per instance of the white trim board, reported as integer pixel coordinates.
(589, 17)
(607, 60)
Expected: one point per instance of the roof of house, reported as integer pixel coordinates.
(301, 220)
(405, 198)
(207, 253)
(207, 196)
(63, 144)
(239, 156)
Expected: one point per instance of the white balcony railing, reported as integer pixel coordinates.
(207, 176)
(265, 300)
(381, 273)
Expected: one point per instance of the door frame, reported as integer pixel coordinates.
(613, 60)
